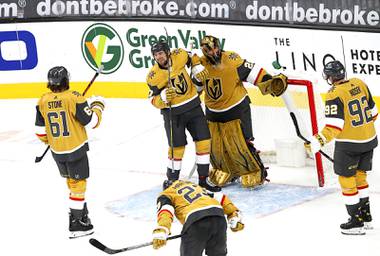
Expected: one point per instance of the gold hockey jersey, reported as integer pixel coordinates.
(63, 116)
(350, 112)
(224, 89)
(190, 202)
(158, 79)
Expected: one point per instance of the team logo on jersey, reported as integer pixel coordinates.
(101, 45)
(214, 88)
(180, 84)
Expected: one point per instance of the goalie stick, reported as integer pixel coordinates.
(108, 250)
(100, 69)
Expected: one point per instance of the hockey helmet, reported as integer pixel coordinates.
(58, 78)
(160, 46)
(334, 71)
(209, 43)
(167, 183)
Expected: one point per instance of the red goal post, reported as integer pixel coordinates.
(314, 122)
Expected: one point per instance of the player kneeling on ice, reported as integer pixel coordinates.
(62, 117)
(229, 114)
(201, 214)
(350, 114)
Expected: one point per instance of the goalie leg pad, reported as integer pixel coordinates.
(219, 160)
(229, 150)
(219, 177)
(251, 180)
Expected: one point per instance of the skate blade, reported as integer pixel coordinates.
(368, 225)
(353, 231)
(77, 234)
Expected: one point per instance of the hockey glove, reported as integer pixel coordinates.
(159, 237)
(316, 143)
(200, 73)
(278, 85)
(168, 94)
(195, 60)
(96, 102)
(235, 221)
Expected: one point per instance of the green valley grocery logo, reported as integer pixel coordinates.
(101, 45)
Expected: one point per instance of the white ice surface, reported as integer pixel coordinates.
(128, 155)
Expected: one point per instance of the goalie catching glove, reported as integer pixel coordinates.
(275, 86)
(315, 144)
(278, 85)
(160, 235)
(235, 221)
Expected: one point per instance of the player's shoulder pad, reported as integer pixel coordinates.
(75, 93)
(43, 97)
(178, 51)
(332, 93)
(357, 81)
(152, 74)
(232, 57)
(77, 97)
(179, 56)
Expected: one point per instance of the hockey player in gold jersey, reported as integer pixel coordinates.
(228, 112)
(62, 117)
(200, 213)
(180, 106)
(350, 114)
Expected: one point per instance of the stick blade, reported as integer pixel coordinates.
(97, 244)
(101, 246)
(38, 159)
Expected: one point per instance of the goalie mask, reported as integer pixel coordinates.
(211, 49)
(334, 71)
(58, 79)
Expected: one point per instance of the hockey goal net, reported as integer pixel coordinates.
(272, 123)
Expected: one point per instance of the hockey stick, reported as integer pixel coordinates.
(192, 170)
(195, 162)
(170, 107)
(294, 119)
(292, 111)
(98, 71)
(108, 250)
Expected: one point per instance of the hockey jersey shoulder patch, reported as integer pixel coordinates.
(232, 58)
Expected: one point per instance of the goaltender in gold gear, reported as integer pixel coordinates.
(228, 112)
